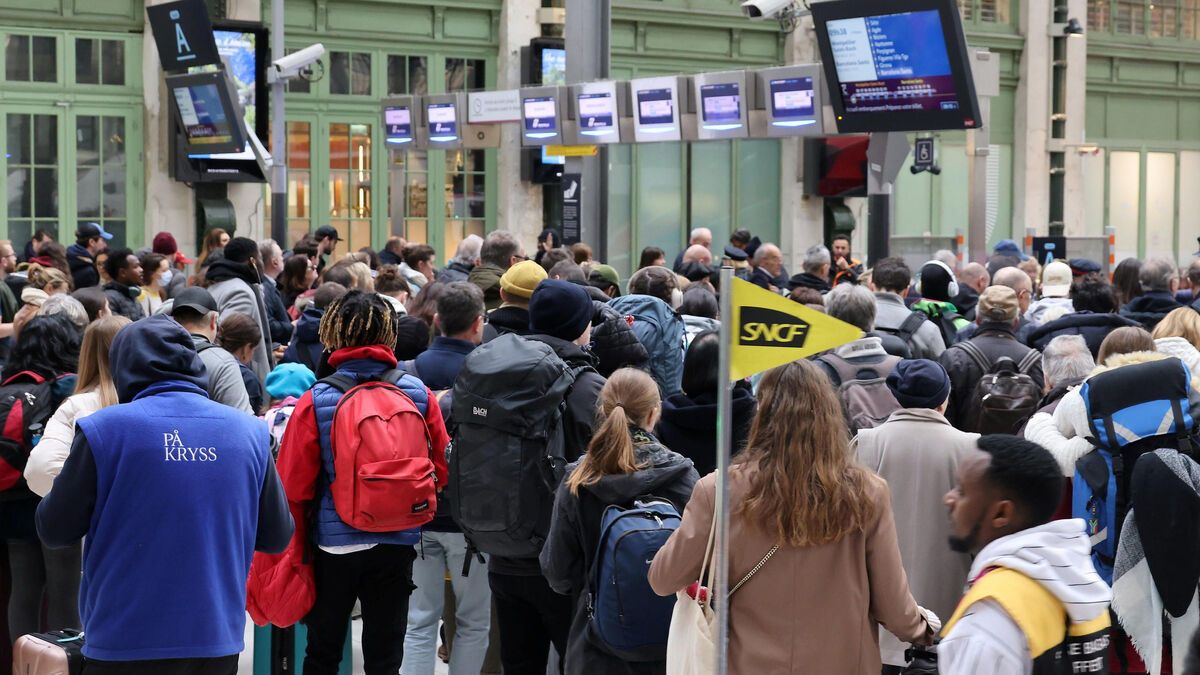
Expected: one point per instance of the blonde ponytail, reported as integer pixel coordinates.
(629, 397)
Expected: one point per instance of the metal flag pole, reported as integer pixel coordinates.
(724, 445)
(278, 134)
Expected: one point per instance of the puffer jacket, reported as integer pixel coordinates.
(1093, 327)
(1150, 308)
(48, 456)
(614, 343)
(121, 300)
(83, 267)
(570, 547)
(661, 332)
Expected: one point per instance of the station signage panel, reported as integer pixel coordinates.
(792, 101)
(656, 116)
(541, 116)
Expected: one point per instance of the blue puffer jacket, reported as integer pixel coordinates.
(661, 332)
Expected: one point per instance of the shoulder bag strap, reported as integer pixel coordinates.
(911, 325)
(754, 570)
(708, 554)
(976, 355)
(1031, 358)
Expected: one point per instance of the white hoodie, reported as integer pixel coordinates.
(1057, 555)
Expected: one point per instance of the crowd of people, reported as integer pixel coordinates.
(509, 462)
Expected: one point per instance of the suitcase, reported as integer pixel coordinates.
(58, 652)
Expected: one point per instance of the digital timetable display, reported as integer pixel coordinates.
(656, 106)
(720, 106)
(792, 101)
(541, 117)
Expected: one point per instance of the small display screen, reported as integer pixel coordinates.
(398, 121)
(596, 113)
(655, 106)
(205, 119)
(443, 121)
(721, 103)
(893, 62)
(554, 66)
(792, 99)
(559, 160)
(541, 117)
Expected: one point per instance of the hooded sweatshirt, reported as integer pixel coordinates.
(83, 266)
(174, 493)
(570, 547)
(689, 425)
(305, 347)
(1020, 590)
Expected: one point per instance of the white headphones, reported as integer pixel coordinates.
(951, 290)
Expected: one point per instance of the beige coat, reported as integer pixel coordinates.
(808, 610)
(917, 452)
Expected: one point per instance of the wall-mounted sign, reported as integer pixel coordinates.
(722, 100)
(491, 107)
(183, 35)
(542, 115)
(791, 98)
(597, 110)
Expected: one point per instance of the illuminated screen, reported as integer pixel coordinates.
(205, 120)
(443, 121)
(720, 103)
(655, 107)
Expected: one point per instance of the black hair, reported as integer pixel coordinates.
(840, 236)
(92, 299)
(458, 307)
(567, 270)
(412, 337)
(700, 364)
(150, 262)
(241, 250)
(294, 270)
(891, 274)
(649, 255)
(47, 345)
(547, 234)
(740, 236)
(117, 261)
(699, 301)
(1026, 473)
(1126, 280)
(357, 319)
(1093, 293)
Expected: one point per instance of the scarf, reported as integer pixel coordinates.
(1156, 571)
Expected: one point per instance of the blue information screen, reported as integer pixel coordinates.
(541, 117)
(443, 121)
(720, 103)
(655, 107)
(205, 120)
(398, 121)
(792, 98)
(596, 113)
(893, 62)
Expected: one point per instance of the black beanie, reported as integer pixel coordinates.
(560, 309)
(935, 282)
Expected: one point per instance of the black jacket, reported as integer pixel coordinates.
(386, 257)
(965, 302)
(306, 348)
(689, 425)
(995, 340)
(83, 267)
(614, 343)
(277, 316)
(121, 301)
(570, 548)
(504, 320)
(455, 271)
(806, 280)
(1093, 327)
(759, 277)
(1150, 308)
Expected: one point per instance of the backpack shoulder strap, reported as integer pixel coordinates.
(204, 347)
(27, 374)
(342, 383)
(1031, 358)
(911, 325)
(976, 354)
(409, 367)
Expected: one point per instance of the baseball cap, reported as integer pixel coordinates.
(327, 231)
(521, 279)
(1009, 247)
(89, 230)
(196, 299)
(998, 303)
(605, 274)
(1056, 280)
(183, 259)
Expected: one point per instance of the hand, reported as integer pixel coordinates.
(842, 264)
(935, 626)
(279, 351)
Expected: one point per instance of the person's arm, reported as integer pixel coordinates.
(985, 640)
(300, 453)
(581, 409)
(892, 604)
(562, 555)
(1066, 451)
(275, 526)
(226, 385)
(65, 515)
(677, 563)
(438, 439)
(47, 457)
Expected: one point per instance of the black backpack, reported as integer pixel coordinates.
(26, 404)
(1006, 396)
(899, 341)
(507, 445)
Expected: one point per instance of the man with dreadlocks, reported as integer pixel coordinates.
(372, 567)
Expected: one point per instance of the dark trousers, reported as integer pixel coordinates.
(531, 617)
(222, 665)
(381, 580)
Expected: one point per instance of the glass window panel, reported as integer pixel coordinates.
(418, 83)
(297, 229)
(1160, 203)
(994, 11)
(476, 74)
(45, 139)
(416, 229)
(397, 74)
(477, 162)
(299, 85)
(16, 58)
(455, 74)
(20, 230)
(339, 194)
(117, 228)
(1131, 18)
(339, 73)
(360, 234)
(45, 193)
(87, 140)
(1163, 20)
(299, 194)
(360, 147)
(299, 145)
(1191, 19)
(114, 167)
(20, 192)
(1098, 15)
(87, 191)
(114, 62)
(45, 59)
(360, 75)
(1189, 206)
(339, 146)
(967, 9)
(1092, 166)
(87, 61)
(19, 138)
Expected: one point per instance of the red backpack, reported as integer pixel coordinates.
(384, 477)
(26, 404)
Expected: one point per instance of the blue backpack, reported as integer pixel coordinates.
(1131, 411)
(661, 332)
(625, 616)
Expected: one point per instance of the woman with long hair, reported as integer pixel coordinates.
(239, 335)
(299, 275)
(391, 284)
(1126, 281)
(47, 350)
(215, 239)
(94, 390)
(156, 274)
(819, 526)
(623, 462)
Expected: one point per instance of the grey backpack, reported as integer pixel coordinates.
(863, 391)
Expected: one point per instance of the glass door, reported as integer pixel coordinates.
(33, 155)
(350, 197)
(102, 180)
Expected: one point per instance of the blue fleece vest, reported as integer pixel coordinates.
(178, 481)
(331, 529)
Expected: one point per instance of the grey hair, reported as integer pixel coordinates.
(853, 304)
(816, 257)
(468, 249)
(499, 248)
(1156, 274)
(696, 232)
(267, 248)
(760, 253)
(947, 256)
(66, 305)
(1067, 358)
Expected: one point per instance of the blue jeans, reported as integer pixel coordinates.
(442, 552)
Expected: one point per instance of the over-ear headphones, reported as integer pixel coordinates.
(951, 290)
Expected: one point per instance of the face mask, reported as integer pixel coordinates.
(165, 277)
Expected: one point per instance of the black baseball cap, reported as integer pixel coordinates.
(326, 232)
(91, 230)
(196, 299)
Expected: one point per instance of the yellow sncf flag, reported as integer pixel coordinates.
(771, 330)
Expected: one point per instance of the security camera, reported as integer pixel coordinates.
(294, 64)
(768, 9)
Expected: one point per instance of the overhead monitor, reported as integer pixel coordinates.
(441, 120)
(721, 103)
(210, 121)
(896, 65)
(597, 112)
(541, 122)
(655, 109)
(398, 122)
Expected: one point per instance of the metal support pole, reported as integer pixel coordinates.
(724, 454)
(588, 35)
(978, 148)
(279, 230)
(879, 225)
